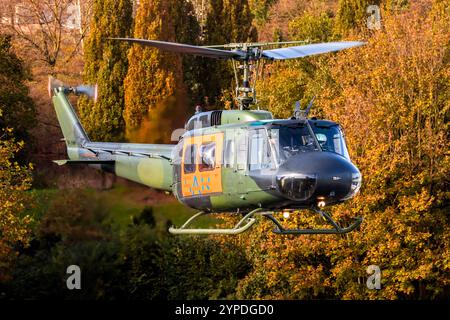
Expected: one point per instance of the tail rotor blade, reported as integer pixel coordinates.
(90, 91)
(53, 84)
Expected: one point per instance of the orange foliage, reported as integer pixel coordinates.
(391, 97)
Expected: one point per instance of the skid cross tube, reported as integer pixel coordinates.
(243, 225)
(335, 230)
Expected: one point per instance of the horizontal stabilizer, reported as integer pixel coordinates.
(72, 162)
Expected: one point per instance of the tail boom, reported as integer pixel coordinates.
(148, 164)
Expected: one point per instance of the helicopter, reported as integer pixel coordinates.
(240, 161)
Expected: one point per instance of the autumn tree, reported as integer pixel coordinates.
(352, 14)
(16, 118)
(391, 97)
(18, 110)
(14, 180)
(46, 28)
(279, 14)
(286, 82)
(400, 92)
(158, 82)
(228, 21)
(260, 9)
(106, 64)
(188, 30)
(312, 26)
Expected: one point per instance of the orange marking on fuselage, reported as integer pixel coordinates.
(202, 181)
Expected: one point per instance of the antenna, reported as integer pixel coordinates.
(309, 106)
(297, 110)
(302, 114)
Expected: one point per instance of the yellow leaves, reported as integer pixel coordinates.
(418, 202)
(389, 96)
(14, 180)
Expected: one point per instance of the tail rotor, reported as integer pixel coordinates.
(54, 85)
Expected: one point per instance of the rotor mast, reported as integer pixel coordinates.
(243, 55)
(243, 92)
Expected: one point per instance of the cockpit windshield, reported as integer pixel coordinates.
(291, 139)
(331, 138)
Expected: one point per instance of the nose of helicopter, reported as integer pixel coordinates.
(318, 177)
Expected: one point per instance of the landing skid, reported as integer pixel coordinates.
(335, 230)
(250, 219)
(243, 225)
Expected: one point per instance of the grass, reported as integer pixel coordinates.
(178, 214)
(40, 204)
(122, 206)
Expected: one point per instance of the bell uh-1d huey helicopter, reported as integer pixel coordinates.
(241, 160)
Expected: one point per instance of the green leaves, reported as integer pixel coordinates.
(17, 117)
(14, 226)
(107, 65)
(313, 27)
(17, 108)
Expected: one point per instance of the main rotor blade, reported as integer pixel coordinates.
(308, 50)
(254, 44)
(185, 48)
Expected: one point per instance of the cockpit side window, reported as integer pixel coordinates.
(331, 139)
(203, 121)
(291, 139)
(198, 122)
(191, 123)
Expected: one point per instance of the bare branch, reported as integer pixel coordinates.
(45, 25)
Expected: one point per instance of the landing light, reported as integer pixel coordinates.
(286, 214)
(321, 204)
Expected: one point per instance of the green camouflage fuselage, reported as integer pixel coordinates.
(212, 167)
(156, 165)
